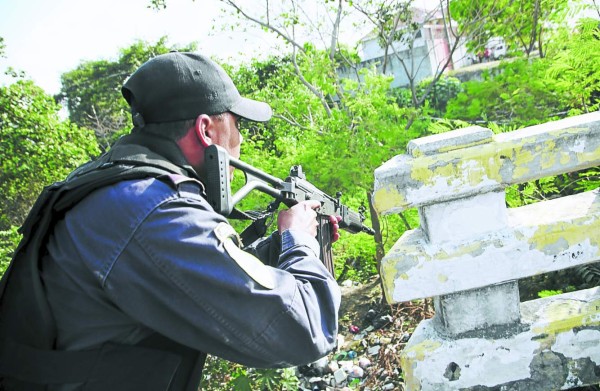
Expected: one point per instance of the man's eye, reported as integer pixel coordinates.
(243, 124)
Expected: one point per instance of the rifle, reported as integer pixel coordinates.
(294, 189)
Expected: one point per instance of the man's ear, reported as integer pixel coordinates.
(203, 129)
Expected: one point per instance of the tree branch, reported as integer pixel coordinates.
(312, 88)
(267, 25)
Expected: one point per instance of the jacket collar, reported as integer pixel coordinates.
(151, 149)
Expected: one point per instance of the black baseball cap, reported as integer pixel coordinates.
(178, 86)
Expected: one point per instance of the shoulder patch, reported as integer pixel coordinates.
(251, 265)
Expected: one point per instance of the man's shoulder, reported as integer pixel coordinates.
(137, 198)
(153, 188)
(136, 189)
(156, 190)
(130, 195)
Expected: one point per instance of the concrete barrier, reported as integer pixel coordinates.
(470, 251)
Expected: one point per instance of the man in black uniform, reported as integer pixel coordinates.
(141, 275)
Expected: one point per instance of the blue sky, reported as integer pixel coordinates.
(45, 38)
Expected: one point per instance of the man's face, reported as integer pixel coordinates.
(228, 135)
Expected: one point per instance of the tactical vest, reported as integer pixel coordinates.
(28, 359)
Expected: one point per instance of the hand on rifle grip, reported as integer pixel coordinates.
(301, 216)
(335, 228)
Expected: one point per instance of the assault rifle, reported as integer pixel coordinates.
(294, 189)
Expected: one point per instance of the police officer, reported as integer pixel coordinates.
(143, 276)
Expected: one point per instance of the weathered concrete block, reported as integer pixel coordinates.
(444, 142)
(495, 307)
(540, 151)
(470, 250)
(558, 350)
(539, 238)
(464, 218)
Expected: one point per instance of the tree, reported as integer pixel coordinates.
(523, 24)
(355, 126)
(398, 27)
(529, 91)
(92, 91)
(36, 146)
(291, 22)
(517, 93)
(339, 151)
(575, 58)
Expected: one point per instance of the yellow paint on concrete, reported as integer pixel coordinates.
(528, 158)
(402, 251)
(410, 358)
(566, 234)
(388, 274)
(465, 145)
(522, 159)
(442, 278)
(564, 315)
(411, 382)
(588, 157)
(419, 351)
(472, 248)
(388, 198)
(416, 152)
(549, 159)
(469, 165)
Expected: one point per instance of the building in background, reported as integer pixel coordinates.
(421, 56)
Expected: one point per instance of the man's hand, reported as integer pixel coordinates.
(335, 228)
(301, 216)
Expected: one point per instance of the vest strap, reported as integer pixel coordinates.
(27, 361)
(19, 361)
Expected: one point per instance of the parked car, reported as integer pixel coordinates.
(499, 51)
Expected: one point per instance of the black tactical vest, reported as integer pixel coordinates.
(28, 359)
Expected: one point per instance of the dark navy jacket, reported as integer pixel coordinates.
(147, 263)
(141, 255)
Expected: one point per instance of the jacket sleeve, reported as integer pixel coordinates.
(266, 249)
(179, 275)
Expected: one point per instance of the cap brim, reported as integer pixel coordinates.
(252, 110)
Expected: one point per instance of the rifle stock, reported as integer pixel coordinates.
(294, 189)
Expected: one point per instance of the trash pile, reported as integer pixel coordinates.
(367, 354)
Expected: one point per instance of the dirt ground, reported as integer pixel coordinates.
(361, 308)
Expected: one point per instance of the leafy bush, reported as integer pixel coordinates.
(519, 94)
(445, 89)
(9, 240)
(589, 273)
(549, 292)
(575, 59)
(37, 148)
(222, 375)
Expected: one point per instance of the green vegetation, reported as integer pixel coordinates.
(517, 93)
(37, 148)
(522, 24)
(92, 91)
(340, 130)
(548, 293)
